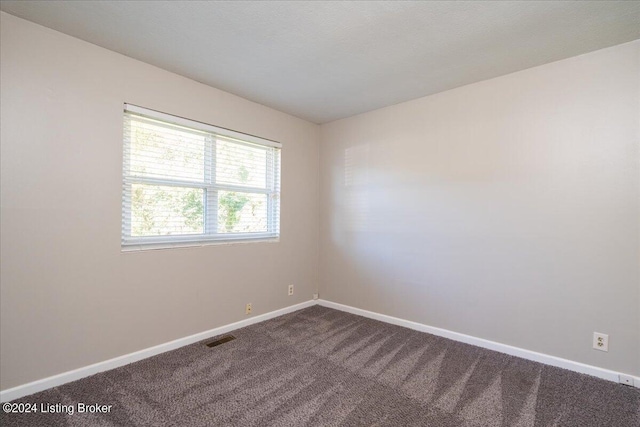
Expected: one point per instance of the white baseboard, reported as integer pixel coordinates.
(491, 345)
(76, 374)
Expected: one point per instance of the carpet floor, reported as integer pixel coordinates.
(323, 367)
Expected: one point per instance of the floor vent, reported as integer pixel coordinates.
(221, 341)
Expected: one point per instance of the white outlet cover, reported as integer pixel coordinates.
(600, 341)
(625, 379)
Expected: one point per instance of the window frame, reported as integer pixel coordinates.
(209, 187)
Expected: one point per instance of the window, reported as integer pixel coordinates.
(186, 182)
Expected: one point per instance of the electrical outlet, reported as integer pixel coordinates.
(625, 379)
(315, 296)
(600, 341)
(290, 289)
(247, 309)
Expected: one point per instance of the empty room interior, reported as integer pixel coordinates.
(320, 213)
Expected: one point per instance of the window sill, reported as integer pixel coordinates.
(128, 248)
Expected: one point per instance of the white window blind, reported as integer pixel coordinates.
(186, 182)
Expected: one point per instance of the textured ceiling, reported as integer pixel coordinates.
(323, 61)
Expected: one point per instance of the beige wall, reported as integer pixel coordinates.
(69, 296)
(507, 209)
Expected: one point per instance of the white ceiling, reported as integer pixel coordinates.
(323, 60)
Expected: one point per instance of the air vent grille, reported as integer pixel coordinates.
(221, 341)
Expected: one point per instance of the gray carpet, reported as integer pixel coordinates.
(322, 367)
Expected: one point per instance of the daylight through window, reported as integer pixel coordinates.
(188, 182)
